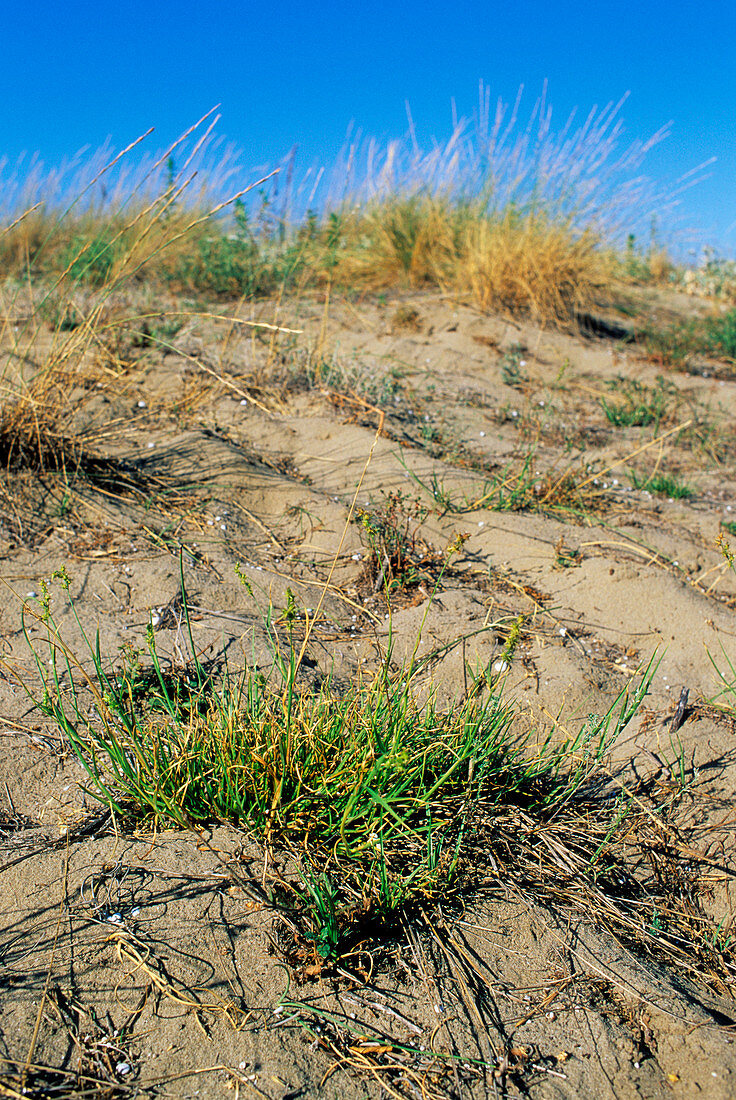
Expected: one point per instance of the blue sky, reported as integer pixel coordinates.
(73, 74)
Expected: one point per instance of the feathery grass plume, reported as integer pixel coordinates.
(511, 212)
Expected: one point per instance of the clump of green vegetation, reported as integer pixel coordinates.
(519, 487)
(354, 377)
(243, 263)
(639, 405)
(377, 790)
(676, 344)
(512, 364)
(398, 557)
(92, 259)
(646, 265)
(673, 345)
(720, 334)
(664, 485)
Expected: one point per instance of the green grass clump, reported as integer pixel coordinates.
(638, 405)
(573, 491)
(511, 368)
(376, 789)
(720, 334)
(663, 485)
(675, 344)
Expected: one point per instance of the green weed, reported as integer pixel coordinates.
(675, 344)
(521, 488)
(663, 485)
(720, 334)
(398, 556)
(512, 363)
(92, 259)
(639, 405)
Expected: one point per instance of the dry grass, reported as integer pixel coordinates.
(530, 265)
(519, 262)
(517, 218)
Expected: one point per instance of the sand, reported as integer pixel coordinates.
(140, 962)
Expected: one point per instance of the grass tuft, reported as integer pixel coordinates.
(664, 485)
(376, 789)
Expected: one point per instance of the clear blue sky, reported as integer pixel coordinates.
(74, 73)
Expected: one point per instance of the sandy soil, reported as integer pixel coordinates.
(149, 963)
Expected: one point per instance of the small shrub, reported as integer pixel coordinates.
(674, 345)
(407, 318)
